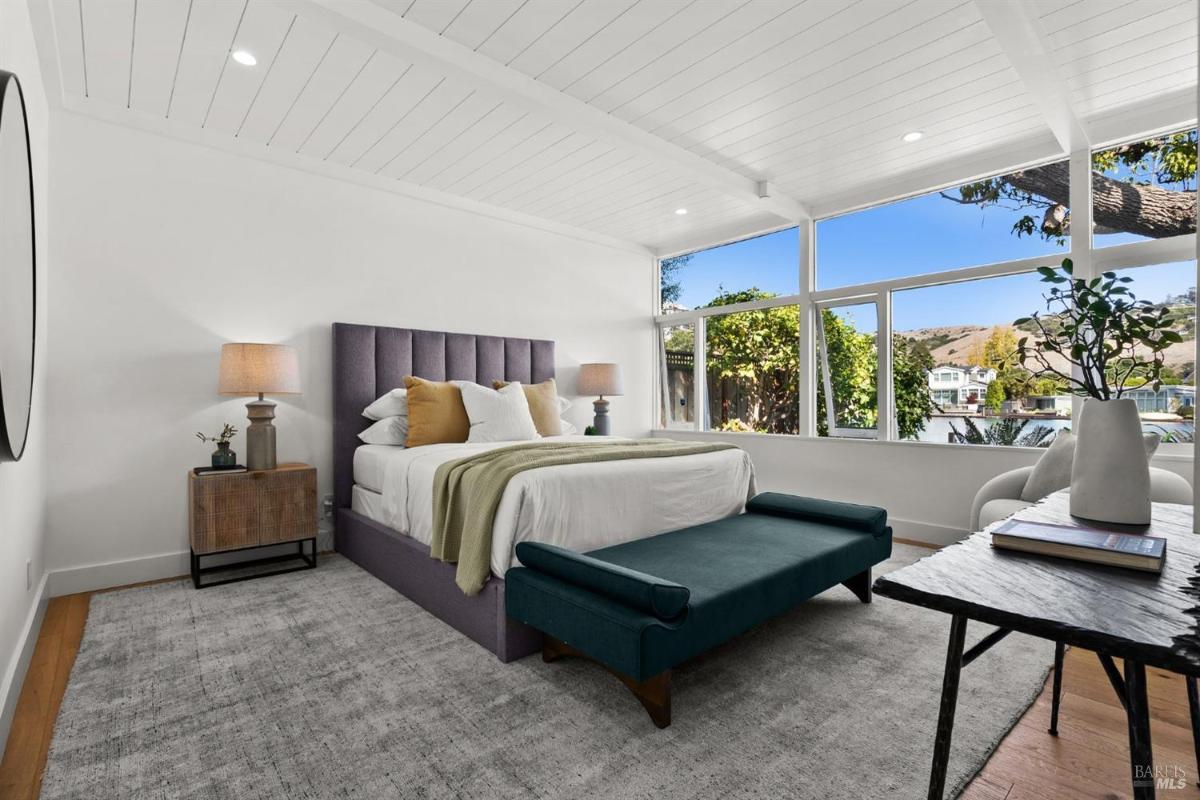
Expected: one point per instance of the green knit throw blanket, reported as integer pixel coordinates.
(467, 492)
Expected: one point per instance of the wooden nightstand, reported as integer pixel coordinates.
(267, 507)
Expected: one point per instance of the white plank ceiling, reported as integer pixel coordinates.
(608, 115)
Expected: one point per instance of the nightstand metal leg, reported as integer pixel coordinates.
(307, 560)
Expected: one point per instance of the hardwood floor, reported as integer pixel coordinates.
(37, 708)
(1087, 761)
(1090, 756)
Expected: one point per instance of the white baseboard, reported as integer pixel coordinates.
(927, 532)
(14, 676)
(105, 575)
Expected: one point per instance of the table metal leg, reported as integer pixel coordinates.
(1056, 699)
(1194, 710)
(1141, 759)
(945, 726)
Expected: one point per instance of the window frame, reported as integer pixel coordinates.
(1089, 261)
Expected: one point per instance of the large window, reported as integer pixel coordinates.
(954, 375)
(910, 328)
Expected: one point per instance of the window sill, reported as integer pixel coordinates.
(1165, 452)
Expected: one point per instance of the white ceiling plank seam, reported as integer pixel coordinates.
(179, 58)
(304, 88)
(266, 76)
(225, 63)
(386, 31)
(1015, 25)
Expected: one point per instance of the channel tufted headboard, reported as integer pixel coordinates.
(369, 360)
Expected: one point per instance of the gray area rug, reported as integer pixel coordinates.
(330, 684)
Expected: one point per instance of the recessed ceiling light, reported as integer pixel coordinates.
(245, 58)
(912, 136)
(681, 211)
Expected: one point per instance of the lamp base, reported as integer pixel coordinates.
(260, 436)
(601, 422)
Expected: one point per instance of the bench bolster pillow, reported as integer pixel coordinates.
(868, 519)
(664, 599)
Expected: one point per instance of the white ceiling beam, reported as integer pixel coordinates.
(1161, 113)
(1014, 24)
(391, 33)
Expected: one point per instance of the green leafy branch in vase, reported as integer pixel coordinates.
(227, 433)
(1099, 326)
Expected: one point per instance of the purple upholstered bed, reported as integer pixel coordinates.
(368, 361)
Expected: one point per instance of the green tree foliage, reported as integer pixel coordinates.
(680, 339)
(753, 361)
(911, 364)
(994, 397)
(1103, 330)
(670, 285)
(1010, 432)
(996, 352)
(853, 365)
(853, 368)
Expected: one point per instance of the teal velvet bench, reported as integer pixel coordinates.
(643, 607)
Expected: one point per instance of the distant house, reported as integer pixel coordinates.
(951, 385)
(1168, 399)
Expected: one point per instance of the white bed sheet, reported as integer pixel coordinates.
(370, 463)
(367, 503)
(578, 506)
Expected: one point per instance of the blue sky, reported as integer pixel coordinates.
(911, 237)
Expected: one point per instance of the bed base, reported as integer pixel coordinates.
(405, 565)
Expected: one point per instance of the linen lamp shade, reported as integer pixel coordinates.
(258, 369)
(600, 379)
(248, 368)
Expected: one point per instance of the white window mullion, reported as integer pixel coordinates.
(826, 381)
(885, 402)
(1081, 238)
(807, 390)
(699, 377)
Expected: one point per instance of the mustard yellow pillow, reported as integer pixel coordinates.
(436, 413)
(543, 406)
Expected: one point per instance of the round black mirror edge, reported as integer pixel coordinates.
(7, 451)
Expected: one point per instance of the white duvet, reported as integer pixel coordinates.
(579, 506)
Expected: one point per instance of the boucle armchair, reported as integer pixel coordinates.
(1001, 496)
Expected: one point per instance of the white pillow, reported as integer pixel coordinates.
(389, 430)
(498, 416)
(392, 404)
(563, 405)
(568, 429)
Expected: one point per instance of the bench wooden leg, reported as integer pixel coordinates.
(653, 693)
(860, 584)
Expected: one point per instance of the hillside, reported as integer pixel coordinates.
(951, 344)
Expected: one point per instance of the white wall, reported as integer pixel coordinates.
(926, 488)
(169, 249)
(22, 484)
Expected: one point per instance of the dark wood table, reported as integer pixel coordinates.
(1142, 618)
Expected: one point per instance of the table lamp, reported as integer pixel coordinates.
(601, 379)
(248, 368)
